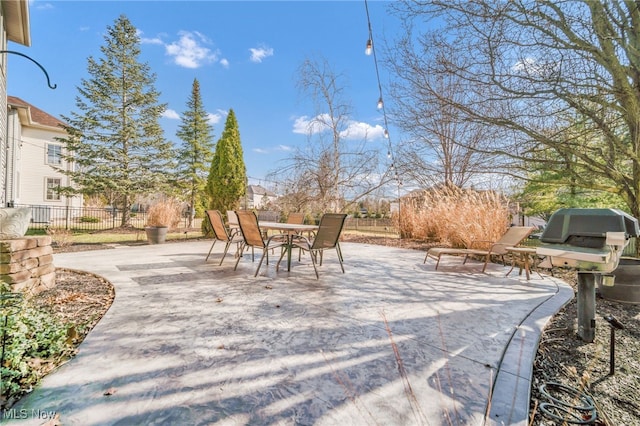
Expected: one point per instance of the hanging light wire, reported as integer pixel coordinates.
(371, 50)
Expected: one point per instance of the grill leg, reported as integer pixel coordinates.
(587, 306)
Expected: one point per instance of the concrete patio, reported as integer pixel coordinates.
(390, 342)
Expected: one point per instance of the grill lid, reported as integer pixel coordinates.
(587, 227)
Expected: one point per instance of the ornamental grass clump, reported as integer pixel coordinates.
(164, 213)
(455, 217)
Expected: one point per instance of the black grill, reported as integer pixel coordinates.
(587, 239)
(588, 227)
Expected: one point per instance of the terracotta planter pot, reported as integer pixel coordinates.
(156, 234)
(626, 286)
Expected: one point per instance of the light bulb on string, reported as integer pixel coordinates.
(380, 103)
(386, 133)
(388, 154)
(369, 48)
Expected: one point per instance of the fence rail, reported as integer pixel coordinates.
(87, 219)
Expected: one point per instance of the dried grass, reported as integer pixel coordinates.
(60, 236)
(164, 213)
(455, 217)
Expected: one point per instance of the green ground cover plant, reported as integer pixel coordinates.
(29, 336)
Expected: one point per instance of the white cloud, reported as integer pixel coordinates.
(356, 130)
(536, 68)
(310, 126)
(224, 62)
(171, 114)
(260, 151)
(214, 118)
(285, 148)
(189, 51)
(258, 54)
(42, 6)
(155, 40)
(524, 64)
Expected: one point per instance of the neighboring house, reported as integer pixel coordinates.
(14, 15)
(258, 197)
(33, 152)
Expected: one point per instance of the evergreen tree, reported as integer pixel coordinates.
(195, 155)
(115, 139)
(227, 181)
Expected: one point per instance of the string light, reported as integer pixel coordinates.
(370, 50)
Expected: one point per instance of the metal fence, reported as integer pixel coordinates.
(370, 225)
(87, 219)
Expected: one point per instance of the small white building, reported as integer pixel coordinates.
(32, 154)
(258, 197)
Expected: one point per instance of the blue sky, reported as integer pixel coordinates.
(244, 54)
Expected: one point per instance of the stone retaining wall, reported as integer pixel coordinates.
(26, 264)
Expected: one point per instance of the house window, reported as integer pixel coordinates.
(54, 154)
(53, 189)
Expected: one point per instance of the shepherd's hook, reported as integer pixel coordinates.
(35, 62)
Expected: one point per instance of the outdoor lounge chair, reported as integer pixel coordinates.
(254, 237)
(221, 233)
(326, 237)
(514, 236)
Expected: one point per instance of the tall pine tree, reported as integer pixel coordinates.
(115, 138)
(227, 181)
(195, 154)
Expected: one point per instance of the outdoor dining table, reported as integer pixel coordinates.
(288, 229)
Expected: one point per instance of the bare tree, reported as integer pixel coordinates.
(561, 76)
(443, 142)
(334, 166)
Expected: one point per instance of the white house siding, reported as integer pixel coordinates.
(12, 166)
(257, 197)
(3, 110)
(14, 26)
(36, 170)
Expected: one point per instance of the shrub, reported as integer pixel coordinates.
(61, 237)
(89, 219)
(455, 217)
(33, 340)
(164, 213)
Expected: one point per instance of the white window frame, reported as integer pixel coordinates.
(57, 154)
(50, 190)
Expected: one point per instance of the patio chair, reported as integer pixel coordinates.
(511, 238)
(295, 217)
(232, 220)
(253, 236)
(326, 237)
(221, 233)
